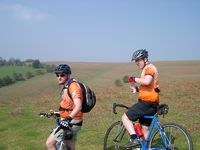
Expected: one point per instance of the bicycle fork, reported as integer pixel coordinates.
(166, 141)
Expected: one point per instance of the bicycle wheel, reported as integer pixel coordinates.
(178, 138)
(116, 137)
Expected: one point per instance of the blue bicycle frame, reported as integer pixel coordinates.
(165, 139)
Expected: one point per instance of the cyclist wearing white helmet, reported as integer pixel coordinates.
(148, 96)
(70, 108)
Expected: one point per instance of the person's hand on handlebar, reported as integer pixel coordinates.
(65, 123)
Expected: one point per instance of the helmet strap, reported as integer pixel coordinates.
(146, 61)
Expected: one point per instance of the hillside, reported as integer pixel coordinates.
(21, 127)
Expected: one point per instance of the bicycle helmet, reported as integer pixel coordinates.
(62, 68)
(139, 54)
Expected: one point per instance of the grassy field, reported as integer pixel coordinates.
(9, 70)
(22, 129)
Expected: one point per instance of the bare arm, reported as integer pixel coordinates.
(144, 81)
(77, 108)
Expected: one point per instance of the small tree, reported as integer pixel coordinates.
(11, 62)
(36, 64)
(2, 62)
(125, 79)
(18, 62)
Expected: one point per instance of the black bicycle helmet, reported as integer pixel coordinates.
(139, 54)
(62, 68)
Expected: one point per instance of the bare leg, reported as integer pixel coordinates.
(51, 143)
(145, 130)
(128, 124)
(71, 145)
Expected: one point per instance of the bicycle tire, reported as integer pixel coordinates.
(115, 137)
(178, 136)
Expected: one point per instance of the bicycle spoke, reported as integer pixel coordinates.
(175, 136)
(116, 137)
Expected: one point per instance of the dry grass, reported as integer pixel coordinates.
(180, 86)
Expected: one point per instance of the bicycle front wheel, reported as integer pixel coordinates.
(116, 137)
(172, 137)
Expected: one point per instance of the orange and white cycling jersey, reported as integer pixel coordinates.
(67, 104)
(148, 92)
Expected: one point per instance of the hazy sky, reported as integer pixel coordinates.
(99, 30)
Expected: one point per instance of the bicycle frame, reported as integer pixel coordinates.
(155, 124)
(160, 136)
(59, 145)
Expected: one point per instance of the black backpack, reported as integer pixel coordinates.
(89, 98)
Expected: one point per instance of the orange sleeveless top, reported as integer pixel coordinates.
(147, 92)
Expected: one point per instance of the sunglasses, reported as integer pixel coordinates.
(60, 75)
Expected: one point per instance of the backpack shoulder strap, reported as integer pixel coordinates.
(68, 83)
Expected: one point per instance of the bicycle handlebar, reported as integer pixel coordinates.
(49, 114)
(56, 115)
(115, 105)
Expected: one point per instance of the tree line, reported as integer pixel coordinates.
(28, 62)
(42, 68)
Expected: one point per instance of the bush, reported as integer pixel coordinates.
(118, 83)
(7, 80)
(50, 68)
(29, 75)
(125, 79)
(1, 82)
(18, 77)
(40, 72)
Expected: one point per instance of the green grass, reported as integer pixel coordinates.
(20, 103)
(9, 70)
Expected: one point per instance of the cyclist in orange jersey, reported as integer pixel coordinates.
(70, 108)
(148, 99)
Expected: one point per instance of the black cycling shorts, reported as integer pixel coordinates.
(140, 109)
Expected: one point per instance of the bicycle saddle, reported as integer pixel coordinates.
(162, 109)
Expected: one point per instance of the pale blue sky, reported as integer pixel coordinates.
(99, 30)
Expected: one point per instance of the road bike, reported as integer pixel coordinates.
(56, 115)
(168, 136)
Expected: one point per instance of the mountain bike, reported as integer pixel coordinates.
(168, 136)
(56, 115)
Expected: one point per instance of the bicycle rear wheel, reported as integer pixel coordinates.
(178, 138)
(116, 137)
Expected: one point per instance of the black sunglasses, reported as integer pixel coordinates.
(60, 75)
